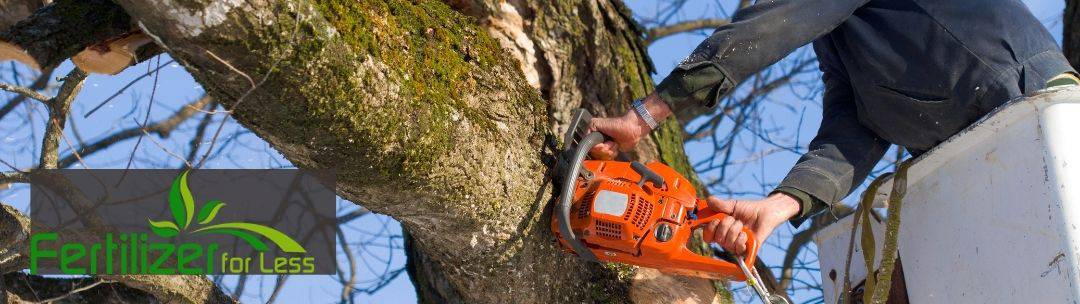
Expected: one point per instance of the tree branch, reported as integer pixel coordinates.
(32, 289)
(660, 32)
(62, 29)
(162, 128)
(96, 34)
(59, 107)
(12, 177)
(11, 11)
(820, 221)
(39, 83)
(24, 92)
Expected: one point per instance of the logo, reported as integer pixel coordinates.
(182, 207)
(252, 221)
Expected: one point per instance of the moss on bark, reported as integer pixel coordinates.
(424, 118)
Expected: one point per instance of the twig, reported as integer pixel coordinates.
(40, 83)
(146, 118)
(163, 147)
(217, 133)
(200, 132)
(278, 284)
(161, 128)
(660, 32)
(23, 91)
(67, 142)
(121, 90)
(347, 285)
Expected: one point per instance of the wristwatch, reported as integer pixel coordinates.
(639, 106)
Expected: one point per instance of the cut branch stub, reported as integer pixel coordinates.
(116, 54)
(10, 51)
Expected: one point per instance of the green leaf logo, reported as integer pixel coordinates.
(209, 211)
(182, 207)
(165, 229)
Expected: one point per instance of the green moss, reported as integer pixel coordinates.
(435, 47)
(435, 54)
(433, 71)
(669, 141)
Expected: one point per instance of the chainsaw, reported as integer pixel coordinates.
(637, 214)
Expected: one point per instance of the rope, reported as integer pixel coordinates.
(877, 284)
(892, 231)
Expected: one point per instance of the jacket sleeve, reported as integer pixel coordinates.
(757, 37)
(842, 153)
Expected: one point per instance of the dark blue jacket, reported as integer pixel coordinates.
(905, 72)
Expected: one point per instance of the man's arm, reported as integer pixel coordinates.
(843, 152)
(757, 37)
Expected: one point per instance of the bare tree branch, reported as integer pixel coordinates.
(40, 83)
(200, 134)
(660, 32)
(162, 128)
(347, 284)
(804, 237)
(12, 177)
(24, 92)
(24, 288)
(59, 107)
(278, 284)
(74, 290)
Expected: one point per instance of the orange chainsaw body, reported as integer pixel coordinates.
(645, 224)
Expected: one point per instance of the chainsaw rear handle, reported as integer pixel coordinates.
(706, 215)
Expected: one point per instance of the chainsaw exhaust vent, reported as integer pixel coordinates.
(608, 230)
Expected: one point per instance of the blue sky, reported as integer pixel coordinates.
(240, 149)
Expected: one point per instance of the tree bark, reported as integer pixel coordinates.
(11, 11)
(58, 31)
(423, 116)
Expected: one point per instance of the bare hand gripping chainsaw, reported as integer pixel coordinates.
(627, 212)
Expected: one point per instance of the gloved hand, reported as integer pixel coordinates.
(761, 216)
(625, 131)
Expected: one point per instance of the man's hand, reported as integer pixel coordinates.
(625, 131)
(761, 216)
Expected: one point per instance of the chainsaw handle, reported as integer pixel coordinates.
(647, 175)
(569, 180)
(706, 215)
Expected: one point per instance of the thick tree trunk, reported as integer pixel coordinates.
(425, 118)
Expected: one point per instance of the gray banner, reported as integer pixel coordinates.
(182, 222)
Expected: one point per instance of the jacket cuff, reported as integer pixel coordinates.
(692, 85)
(809, 187)
(809, 205)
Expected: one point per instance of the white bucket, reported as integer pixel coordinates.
(991, 215)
